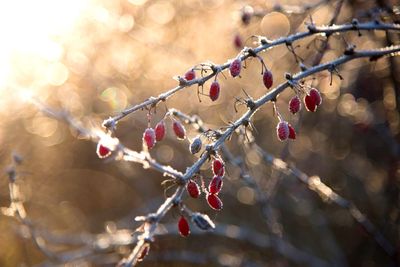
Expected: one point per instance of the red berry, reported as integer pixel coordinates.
(235, 67)
(193, 189)
(190, 75)
(214, 202)
(237, 41)
(294, 104)
(292, 132)
(282, 130)
(144, 252)
(149, 138)
(314, 93)
(218, 167)
(179, 130)
(160, 130)
(268, 79)
(215, 185)
(102, 151)
(310, 103)
(183, 227)
(214, 90)
(247, 13)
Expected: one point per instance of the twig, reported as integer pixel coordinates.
(121, 152)
(153, 219)
(315, 184)
(111, 122)
(324, 47)
(106, 241)
(247, 178)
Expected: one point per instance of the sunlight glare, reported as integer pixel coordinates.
(34, 29)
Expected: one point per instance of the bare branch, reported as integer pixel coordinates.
(315, 184)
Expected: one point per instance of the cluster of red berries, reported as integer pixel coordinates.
(312, 100)
(284, 131)
(236, 66)
(202, 221)
(214, 187)
(151, 136)
(214, 87)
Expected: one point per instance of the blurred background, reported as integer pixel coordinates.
(97, 57)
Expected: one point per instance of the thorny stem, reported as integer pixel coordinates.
(313, 183)
(111, 122)
(274, 179)
(164, 208)
(324, 47)
(262, 198)
(92, 244)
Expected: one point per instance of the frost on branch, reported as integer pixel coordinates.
(222, 143)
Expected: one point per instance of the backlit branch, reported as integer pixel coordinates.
(315, 184)
(265, 44)
(153, 219)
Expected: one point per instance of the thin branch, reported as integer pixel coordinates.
(17, 209)
(245, 176)
(154, 218)
(120, 151)
(315, 184)
(123, 237)
(266, 44)
(325, 46)
(299, 10)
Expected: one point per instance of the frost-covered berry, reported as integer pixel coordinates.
(294, 104)
(215, 185)
(183, 227)
(237, 41)
(193, 189)
(144, 252)
(282, 130)
(179, 130)
(235, 67)
(292, 132)
(312, 100)
(214, 202)
(218, 167)
(149, 138)
(202, 221)
(190, 75)
(102, 151)
(247, 13)
(314, 93)
(106, 146)
(310, 104)
(160, 130)
(214, 90)
(196, 145)
(268, 79)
